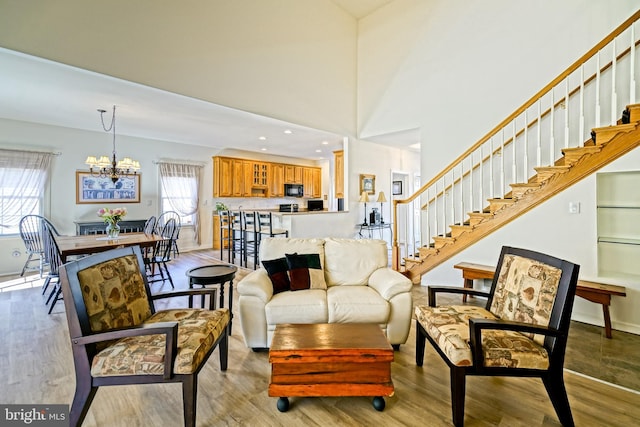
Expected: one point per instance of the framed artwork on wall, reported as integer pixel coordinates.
(396, 189)
(92, 189)
(367, 183)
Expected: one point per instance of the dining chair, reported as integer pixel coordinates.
(521, 332)
(162, 253)
(161, 222)
(32, 230)
(149, 225)
(121, 339)
(55, 261)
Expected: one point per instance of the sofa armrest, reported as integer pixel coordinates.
(256, 284)
(389, 283)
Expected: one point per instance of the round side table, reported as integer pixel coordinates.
(215, 275)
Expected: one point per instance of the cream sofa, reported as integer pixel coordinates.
(360, 288)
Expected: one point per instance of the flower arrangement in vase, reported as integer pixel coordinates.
(112, 217)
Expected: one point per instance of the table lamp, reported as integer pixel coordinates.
(364, 198)
(381, 199)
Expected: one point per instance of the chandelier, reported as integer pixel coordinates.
(111, 168)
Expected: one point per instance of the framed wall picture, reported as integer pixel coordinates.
(92, 189)
(396, 188)
(367, 183)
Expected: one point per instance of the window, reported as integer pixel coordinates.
(170, 196)
(179, 192)
(23, 175)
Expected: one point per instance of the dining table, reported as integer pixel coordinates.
(89, 244)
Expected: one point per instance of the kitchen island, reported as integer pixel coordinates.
(302, 224)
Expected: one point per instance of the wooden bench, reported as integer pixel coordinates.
(595, 292)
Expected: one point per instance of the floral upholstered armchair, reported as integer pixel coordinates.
(522, 330)
(117, 337)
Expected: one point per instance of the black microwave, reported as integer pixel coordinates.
(293, 190)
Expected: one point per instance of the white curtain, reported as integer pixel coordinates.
(181, 184)
(23, 175)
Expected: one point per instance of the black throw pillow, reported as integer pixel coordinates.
(299, 266)
(277, 271)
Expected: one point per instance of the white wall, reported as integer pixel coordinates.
(287, 59)
(458, 68)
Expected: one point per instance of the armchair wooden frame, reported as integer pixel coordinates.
(84, 341)
(555, 340)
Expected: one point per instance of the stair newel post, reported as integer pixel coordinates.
(597, 89)
(581, 124)
(632, 71)
(428, 222)
(566, 119)
(614, 96)
(395, 253)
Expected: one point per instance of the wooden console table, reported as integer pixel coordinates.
(599, 293)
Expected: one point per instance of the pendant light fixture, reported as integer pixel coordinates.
(111, 168)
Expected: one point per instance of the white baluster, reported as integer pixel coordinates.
(539, 142)
(566, 116)
(491, 180)
(471, 183)
(452, 199)
(461, 213)
(444, 205)
(514, 175)
(614, 96)
(581, 124)
(525, 159)
(481, 185)
(435, 209)
(552, 142)
(632, 72)
(502, 178)
(598, 89)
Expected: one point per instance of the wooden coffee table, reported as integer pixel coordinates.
(339, 359)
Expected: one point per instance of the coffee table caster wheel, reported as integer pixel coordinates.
(378, 403)
(283, 404)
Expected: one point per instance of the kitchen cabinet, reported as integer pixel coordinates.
(223, 172)
(338, 178)
(276, 188)
(293, 174)
(311, 180)
(252, 178)
(260, 174)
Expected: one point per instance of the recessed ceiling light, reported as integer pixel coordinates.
(318, 151)
(262, 138)
(288, 132)
(325, 142)
(264, 148)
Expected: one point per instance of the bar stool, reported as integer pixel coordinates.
(266, 229)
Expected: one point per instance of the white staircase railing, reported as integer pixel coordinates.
(591, 93)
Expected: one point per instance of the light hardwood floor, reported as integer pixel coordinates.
(36, 367)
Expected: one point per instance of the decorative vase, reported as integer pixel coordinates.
(113, 230)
